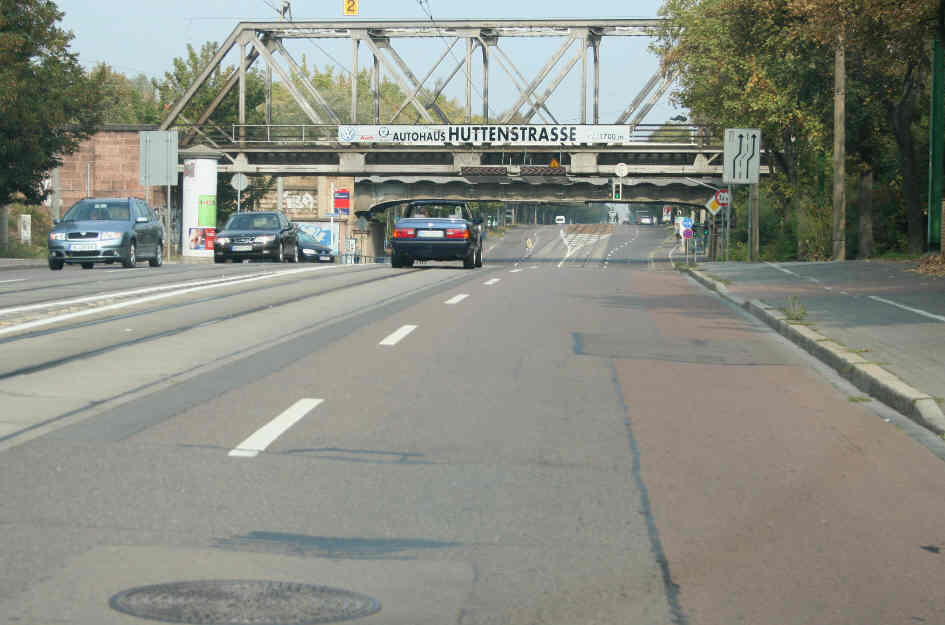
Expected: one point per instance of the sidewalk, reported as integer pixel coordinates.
(879, 324)
(22, 263)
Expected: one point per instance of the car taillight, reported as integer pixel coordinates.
(405, 233)
(457, 233)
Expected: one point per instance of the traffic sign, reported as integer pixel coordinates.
(621, 170)
(687, 222)
(687, 233)
(718, 201)
(239, 181)
(742, 156)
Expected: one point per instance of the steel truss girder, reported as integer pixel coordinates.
(267, 36)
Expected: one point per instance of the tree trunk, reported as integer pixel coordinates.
(902, 115)
(4, 226)
(866, 214)
(839, 153)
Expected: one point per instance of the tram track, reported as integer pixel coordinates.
(56, 362)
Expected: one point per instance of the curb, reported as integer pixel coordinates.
(9, 264)
(868, 377)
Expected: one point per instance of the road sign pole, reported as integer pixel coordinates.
(751, 242)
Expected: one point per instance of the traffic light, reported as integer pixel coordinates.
(616, 189)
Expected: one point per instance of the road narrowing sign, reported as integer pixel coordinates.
(742, 156)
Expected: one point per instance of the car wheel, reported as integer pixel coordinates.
(132, 259)
(470, 260)
(295, 254)
(219, 259)
(395, 261)
(280, 257)
(55, 265)
(479, 257)
(88, 265)
(158, 259)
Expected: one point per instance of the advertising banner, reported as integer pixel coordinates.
(322, 233)
(504, 134)
(199, 207)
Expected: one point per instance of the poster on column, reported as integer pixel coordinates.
(199, 207)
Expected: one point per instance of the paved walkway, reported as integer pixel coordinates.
(885, 312)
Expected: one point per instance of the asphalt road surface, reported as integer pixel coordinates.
(573, 434)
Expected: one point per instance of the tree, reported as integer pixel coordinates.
(126, 100)
(737, 69)
(48, 104)
(185, 72)
(890, 41)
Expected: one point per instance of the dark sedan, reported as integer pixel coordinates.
(437, 230)
(105, 230)
(315, 243)
(257, 236)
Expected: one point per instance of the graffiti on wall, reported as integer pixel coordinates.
(298, 201)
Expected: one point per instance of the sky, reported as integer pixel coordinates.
(136, 37)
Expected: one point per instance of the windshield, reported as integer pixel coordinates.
(99, 210)
(438, 211)
(253, 221)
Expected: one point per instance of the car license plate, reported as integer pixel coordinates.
(430, 234)
(324, 258)
(242, 248)
(83, 247)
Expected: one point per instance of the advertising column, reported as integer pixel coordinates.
(199, 214)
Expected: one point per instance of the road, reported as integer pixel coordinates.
(575, 433)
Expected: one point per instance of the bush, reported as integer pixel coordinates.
(40, 225)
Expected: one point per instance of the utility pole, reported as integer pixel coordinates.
(937, 135)
(839, 151)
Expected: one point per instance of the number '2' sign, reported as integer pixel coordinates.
(351, 7)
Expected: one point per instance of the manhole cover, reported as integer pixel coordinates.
(239, 602)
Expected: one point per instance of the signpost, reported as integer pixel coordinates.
(742, 165)
(239, 181)
(157, 166)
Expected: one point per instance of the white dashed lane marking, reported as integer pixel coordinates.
(457, 299)
(397, 336)
(491, 282)
(264, 436)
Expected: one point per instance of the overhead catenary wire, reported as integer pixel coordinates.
(425, 7)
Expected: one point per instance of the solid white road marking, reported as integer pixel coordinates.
(780, 268)
(457, 299)
(9, 281)
(264, 436)
(515, 271)
(166, 287)
(909, 308)
(141, 300)
(397, 336)
(491, 282)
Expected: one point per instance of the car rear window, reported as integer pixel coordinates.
(438, 211)
(99, 210)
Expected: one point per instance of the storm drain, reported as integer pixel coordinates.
(239, 602)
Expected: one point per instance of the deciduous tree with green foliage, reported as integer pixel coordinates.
(126, 100)
(48, 104)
